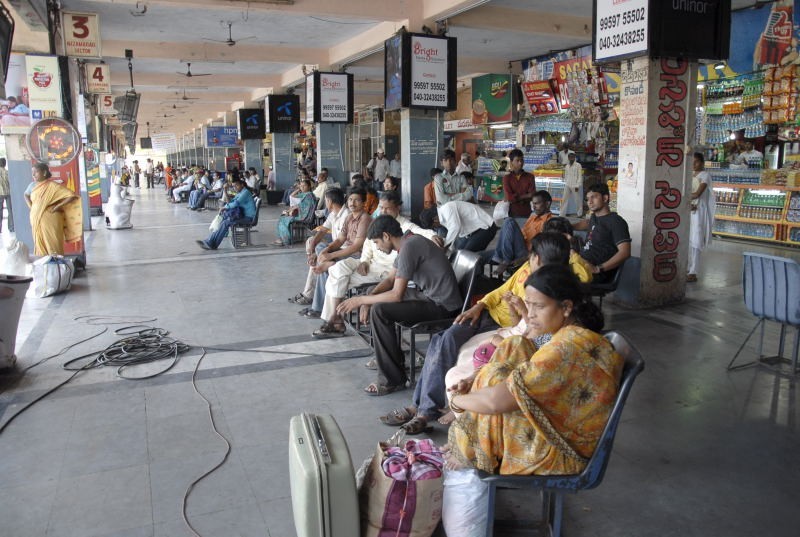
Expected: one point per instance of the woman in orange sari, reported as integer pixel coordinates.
(540, 412)
(55, 213)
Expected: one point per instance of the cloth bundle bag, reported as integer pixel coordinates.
(500, 211)
(215, 223)
(16, 259)
(401, 493)
(52, 274)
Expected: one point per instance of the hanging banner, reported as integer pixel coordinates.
(164, 142)
(491, 99)
(334, 98)
(98, 78)
(251, 122)
(432, 62)
(620, 29)
(562, 72)
(394, 97)
(44, 86)
(541, 97)
(81, 35)
(310, 96)
(282, 113)
(15, 117)
(221, 137)
(92, 164)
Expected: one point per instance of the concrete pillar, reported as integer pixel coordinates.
(330, 151)
(253, 153)
(656, 121)
(420, 140)
(19, 177)
(284, 160)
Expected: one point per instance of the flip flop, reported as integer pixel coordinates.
(417, 425)
(328, 330)
(399, 416)
(379, 390)
(372, 364)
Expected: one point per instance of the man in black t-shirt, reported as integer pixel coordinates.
(435, 296)
(608, 244)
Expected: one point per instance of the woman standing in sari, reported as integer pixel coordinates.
(55, 213)
(297, 213)
(540, 412)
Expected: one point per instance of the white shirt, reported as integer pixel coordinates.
(381, 168)
(335, 221)
(395, 169)
(572, 175)
(463, 167)
(747, 156)
(563, 156)
(462, 218)
(149, 168)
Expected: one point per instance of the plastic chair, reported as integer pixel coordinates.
(465, 265)
(240, 233)
(600, 290)
(554, 487)
(771, 288)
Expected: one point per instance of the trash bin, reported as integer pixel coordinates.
(12, 295)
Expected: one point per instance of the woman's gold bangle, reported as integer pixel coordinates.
(454, 407)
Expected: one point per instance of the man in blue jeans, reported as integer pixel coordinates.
(240, 210)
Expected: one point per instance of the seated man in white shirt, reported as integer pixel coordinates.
(372, 267)
(750, 155)
(186, 185)
(468, 226)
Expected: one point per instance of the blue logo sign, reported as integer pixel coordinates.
(285, 108)
(252, 120)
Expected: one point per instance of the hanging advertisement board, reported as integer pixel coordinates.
(620, 29)
(98, 78)
(251, 123)
(44, 86)
(283, 113)
(432, 70)
(164, 142)
(541, 97)
(81, 34)
(221, 137)
(393, 73)
(330, 99)
(15, 115)
(491, 99)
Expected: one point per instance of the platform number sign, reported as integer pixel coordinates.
(98, 78)
(81, 35)
(105, 105)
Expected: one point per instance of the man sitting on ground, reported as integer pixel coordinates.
(240, 210)
(608, 244)
(436, 296)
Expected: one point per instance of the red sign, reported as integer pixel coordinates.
(541, 97)
(562, 70)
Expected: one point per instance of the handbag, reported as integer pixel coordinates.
(215, 223)
(52, 274)
(408, 501)
(483, 354)
(500, 212)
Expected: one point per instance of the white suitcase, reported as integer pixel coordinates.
(324, 497)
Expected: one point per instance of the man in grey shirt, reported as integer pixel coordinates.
(435, 296)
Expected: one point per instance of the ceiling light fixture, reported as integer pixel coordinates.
(719, 66)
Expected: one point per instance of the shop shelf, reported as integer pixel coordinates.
(749, 220)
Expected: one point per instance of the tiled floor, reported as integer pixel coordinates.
(700, 451)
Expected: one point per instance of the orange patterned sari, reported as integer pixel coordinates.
(50, 230)
(565, 392)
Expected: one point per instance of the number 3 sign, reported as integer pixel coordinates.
(81, 34)
(98, 78)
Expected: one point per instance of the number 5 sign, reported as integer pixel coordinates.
(81, 34)
(105, 105)
(98, 78)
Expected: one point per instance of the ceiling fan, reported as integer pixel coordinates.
(189, 74)
(230, 41)
(184, 97)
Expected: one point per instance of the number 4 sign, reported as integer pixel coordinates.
(81, 35)
(98, 78)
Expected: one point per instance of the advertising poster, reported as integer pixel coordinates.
(283, 113)
(222, 137)
(620, 29)
(164, 142)
(81, 35)
(335, 97)
(429, 70)
(491, 99)
(15, 115)
(44, 86)
(92, 163)
(310, 117)
(561, 73)
(541, 97)
(251, 123)
(98, 78)
(393, 75)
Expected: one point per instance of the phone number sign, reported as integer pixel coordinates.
(620, 29)
(429, 72)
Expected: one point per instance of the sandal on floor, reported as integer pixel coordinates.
(418, 425)
(372, 364)
(379, 390)
(328, 330)
(300, 299)
(399, 416)
(691, 278)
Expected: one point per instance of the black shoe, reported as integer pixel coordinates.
(203, 244)
(313, 314)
